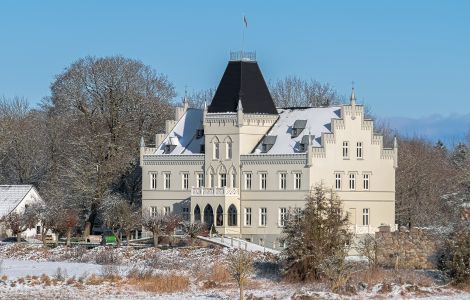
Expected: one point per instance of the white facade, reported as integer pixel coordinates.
(16, 198)
(242, 172)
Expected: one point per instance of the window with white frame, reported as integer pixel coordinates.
(282, 216)
(216, 149)
(365, 216)
(345, 150)
(234, 179)
(247, 181)
(186, 215)
(153, 181)
(166, 210)
(352, 181)
(223, 180)
(185, 181)
(338, 181)
(166, 180)
(229, 150)
(359, 150)
(262, 180)
(365, 182)
(154, 211)
(263, 216)
(283, 181)
(297, 180)
(247, 216)
(200, 179)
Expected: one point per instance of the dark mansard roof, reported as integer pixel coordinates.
(243, 80)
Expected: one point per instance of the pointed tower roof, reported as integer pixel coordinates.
(242, 80)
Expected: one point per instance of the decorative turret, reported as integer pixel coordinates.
(240, 113)
(353, 97)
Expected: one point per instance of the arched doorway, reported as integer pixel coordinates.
(220, 216)
(197, 214)
(232, 215)
(208, 215)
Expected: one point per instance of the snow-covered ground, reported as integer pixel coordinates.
(32, 272)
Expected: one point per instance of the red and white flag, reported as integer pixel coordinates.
(245, 21)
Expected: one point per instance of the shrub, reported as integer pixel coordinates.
(110, 272)
(455, 257)
(160, 283)
(107, 257)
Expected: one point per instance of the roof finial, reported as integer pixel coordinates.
(240, 106)
(353, 95)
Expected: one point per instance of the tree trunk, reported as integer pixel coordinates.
(43, 235)
(128, 234)
(18, 237)
(241, 291)
(69, 236)
(155, 239)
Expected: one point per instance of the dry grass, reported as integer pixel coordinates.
(94, 280)
(46, 280)
(387, 276)
(160, 283)
(4, 277)
(219, 273)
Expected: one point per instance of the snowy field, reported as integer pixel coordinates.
(34, 272)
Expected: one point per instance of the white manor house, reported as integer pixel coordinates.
(241, 163)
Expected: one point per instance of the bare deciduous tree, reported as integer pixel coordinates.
(240, 267)
(159, 224)
(293, 91)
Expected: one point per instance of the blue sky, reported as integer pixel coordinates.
(409, 59)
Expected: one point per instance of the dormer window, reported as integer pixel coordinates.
(199, 133)
(298, 127)
(202, 149)
(169, 148)
(305, 142)
(268, 143)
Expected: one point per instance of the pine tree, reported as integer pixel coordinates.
(316, 238)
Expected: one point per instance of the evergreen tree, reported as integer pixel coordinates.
(316, 238)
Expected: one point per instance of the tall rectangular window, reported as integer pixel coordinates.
(200, 179)
(297, 181)
(229, 150)
(365, 216)
(352, 181)
(154, 211)
(262, 180)
(216, 150)
(234, 180)
(263, 216)
(166, 181)
(153, 181)
(212, 179)
(186, 215)
(366, 182)
(223, 180)
(166, 210)
(248, 181)
(359, 149)
(247, 216)
(282, 181)
(338, 181)
(345, 150)
(282, 216)
(185, 180)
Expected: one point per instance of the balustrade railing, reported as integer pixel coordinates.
(214, 191)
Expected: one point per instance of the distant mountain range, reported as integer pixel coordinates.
(451, 130)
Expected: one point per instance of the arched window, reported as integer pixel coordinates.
(220, 216)
(215, 148)
(208, 216)
(197, 214)
(232, 215)
(229, 150)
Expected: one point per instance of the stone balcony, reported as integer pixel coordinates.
(214, 191)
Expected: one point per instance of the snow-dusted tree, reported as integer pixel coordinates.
(197, 99)
(425, 180)
(293, 91)
(159, 224)
(240, 267)
(316, 237)
(117, 215)
(455, 259)
(19, 222)
(193, 229)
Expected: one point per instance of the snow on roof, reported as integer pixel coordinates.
(183, 135)
(318, 121)
(183, 138)
(11, 196)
